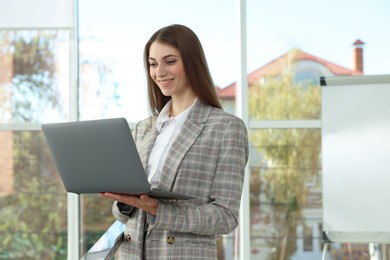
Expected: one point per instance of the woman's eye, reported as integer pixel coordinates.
(171, 61)
(152, 65)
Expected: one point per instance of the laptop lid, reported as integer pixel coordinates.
(99, 156)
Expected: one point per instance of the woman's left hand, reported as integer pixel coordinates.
(143, 202)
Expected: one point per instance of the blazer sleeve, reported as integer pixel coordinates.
(220, 214)
(121, 211)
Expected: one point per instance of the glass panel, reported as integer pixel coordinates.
(33, 202)
(96, 217)
(286, 197)
(290, 46)
(285, 186)
(310, 39)
(34, 14)
(112, 77)
(34, 78)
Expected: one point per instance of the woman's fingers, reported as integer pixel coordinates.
(144, 202)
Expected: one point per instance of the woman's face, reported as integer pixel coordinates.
(167, 70)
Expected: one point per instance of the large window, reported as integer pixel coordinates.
(289, 45)
(34, 86)
(35, 80)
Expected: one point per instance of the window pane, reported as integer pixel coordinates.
(34, 78)
(286, 197)
(112, 76)
(290, 46)
(310, 39)
(284, 98)
(285, 187)
(96, 217)
(34, 14)
(32, 199)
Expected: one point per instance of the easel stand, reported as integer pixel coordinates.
(326, 241)
(373, 248)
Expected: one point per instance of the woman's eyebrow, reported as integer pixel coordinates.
(165, 57)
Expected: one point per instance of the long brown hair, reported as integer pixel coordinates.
(194, 61)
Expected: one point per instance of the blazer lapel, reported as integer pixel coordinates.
(190, 131)
(146, 146)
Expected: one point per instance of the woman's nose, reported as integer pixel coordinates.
(160, 71)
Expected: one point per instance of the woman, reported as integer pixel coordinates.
(190, 146)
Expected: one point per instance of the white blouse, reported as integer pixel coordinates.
(168, 128)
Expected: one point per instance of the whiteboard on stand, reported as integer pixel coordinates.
(356, 158)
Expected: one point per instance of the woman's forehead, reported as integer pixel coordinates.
(159, 49)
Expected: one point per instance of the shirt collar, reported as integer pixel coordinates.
(179, 119)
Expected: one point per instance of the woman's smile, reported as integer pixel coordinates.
(165, 82)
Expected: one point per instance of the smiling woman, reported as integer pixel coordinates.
(191, 146)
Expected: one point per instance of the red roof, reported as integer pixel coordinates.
(275, 67)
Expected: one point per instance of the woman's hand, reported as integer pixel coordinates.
(143, 202)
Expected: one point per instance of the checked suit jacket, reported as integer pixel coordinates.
(206, 161)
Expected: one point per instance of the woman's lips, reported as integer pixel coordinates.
(165, 82)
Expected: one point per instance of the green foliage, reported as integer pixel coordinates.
(279, 98)
(34, 228)
(35, 214)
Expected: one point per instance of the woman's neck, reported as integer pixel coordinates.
(179, 105)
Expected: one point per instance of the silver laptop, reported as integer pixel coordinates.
(100, 156)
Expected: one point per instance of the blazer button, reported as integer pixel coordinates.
(128, 238)
(170, 240)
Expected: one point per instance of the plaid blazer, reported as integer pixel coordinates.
(207, 161)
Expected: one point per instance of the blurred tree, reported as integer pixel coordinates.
(34, 86)
(290, 157)
(34, 216)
